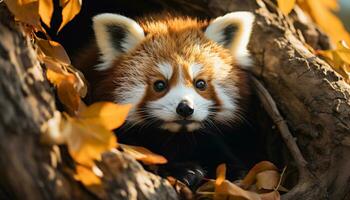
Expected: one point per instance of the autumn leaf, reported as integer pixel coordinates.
(339, 59)
(267, 180)
(286, 6)
(66, 90)
(86, 175)
(86, 142)
(53, 49)
(107, 114)
(220, 174)
(25, 11)
(46, 10)
(250, 178)
(321, 11)
(228, 190)
(68, 94)
(143, 154)
(70, 9)
(181, 188)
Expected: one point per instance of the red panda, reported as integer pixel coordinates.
(182, 75)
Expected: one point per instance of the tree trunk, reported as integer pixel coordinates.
(312, 97)
(31, 170)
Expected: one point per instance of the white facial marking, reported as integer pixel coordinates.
(171, 126)
(132, 95)
(166, 70)
(165, 107)
(228, 106)
(193, 126)
(195, 69)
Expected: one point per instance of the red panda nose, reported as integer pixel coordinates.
(184, 109)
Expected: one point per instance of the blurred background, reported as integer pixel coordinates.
(78, 33)
(345, 13)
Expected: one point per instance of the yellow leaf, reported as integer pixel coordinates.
(86, 176)
(25, 11)
(250, 178)
(143, 154)
(228, 190)
(343, 51)
(286, 6)
(67, 87)
(220, 174)
(68, 95)
(46, 11)
(107, 114)
(53, 49)
(339, 59)
(86, 142)
(55, 77)
(267, 180)
(70, 9)
(321, 12)
(331, 4)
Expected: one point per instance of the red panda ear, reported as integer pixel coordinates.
(233, 32)
(115, 34)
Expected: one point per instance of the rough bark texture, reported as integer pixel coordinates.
(31, 170)
(314, 100)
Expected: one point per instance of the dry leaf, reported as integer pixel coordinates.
(25, 11)
(220, 174)
(53, 49)
(286, 6)
(68, 95)
(86, 176)
(143, 154)
(250, 178)
(339, 59)
(46, 11)
(321, 12)
(228, 190)
(107, 114)
(86, 142)
(267, 180)
(67, 91)
(70, 9)
(180, 188)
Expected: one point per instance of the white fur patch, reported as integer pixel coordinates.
(244, 21)
(193, 126)
(166, 70)
(228, 107)
(171, 126)
(132, 95)
(194, 70)
(165, 107)
(104, 41)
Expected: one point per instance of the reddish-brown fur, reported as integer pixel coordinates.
(178, 41)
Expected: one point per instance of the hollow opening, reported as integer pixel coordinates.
(263, 141)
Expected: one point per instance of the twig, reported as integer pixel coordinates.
(271, 108)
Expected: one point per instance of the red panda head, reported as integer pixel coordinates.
(181, 72)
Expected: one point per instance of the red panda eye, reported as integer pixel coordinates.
(201, 84)
(159, 86)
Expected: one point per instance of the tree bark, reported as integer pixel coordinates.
(32, 170)
(313, 99)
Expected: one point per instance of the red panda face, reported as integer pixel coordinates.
(178, 75)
